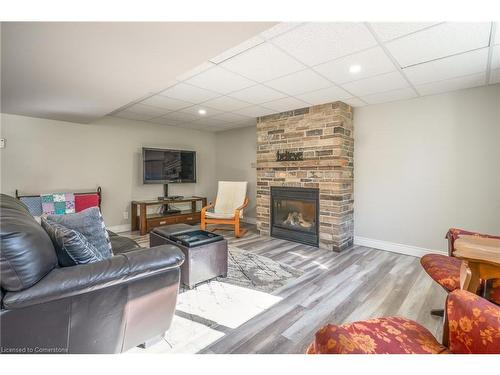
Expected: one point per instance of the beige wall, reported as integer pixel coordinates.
(427, 164)
(235, 152)
(46, 156)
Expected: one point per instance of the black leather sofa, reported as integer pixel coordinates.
(104, 307)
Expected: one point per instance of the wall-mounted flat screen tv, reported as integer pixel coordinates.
(168, 166)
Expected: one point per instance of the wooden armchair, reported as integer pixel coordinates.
(228, 206)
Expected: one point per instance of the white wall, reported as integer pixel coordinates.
(236, 150)
(424, 165)
(47, 156)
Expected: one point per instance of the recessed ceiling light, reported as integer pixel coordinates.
(354, 69)
(202, 111)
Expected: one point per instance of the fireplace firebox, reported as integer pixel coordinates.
(295, 214)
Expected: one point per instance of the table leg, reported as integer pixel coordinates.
(133, 214)
(142, 218)
(474, 277)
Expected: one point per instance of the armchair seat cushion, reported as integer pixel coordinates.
(391, 335)
(443, 269)
(219, 215)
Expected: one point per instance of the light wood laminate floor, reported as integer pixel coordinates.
(359, 283)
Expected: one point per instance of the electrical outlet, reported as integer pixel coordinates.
(125, 215)
(2, 142)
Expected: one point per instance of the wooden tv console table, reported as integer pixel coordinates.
(144, 222)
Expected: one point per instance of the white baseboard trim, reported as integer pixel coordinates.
(395, 247)
(120, 228)
(249, 220)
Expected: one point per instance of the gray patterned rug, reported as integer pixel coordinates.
(254, 271)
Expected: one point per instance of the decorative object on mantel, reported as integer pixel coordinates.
(289, 156)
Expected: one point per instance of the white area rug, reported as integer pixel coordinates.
(210, 310)
(207, 313)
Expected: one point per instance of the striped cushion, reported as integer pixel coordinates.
(71, 246)
(90, 223)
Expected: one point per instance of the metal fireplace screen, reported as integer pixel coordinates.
(294, 214)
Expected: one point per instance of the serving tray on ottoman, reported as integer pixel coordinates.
(205, 252)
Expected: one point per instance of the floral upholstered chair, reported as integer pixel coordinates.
(472, 325)
(445, 270)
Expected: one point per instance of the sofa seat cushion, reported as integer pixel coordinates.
(71, 246)
(443, 269)
(90, 223)
(391, 335)
(121, 244)
(26, 251)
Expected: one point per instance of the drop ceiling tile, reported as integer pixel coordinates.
(170, 104)
(279, 29)
(300, 82)
(377, 84)
(257, 94)
(255, 111)
(197, 126)
(390, 96)
(147, 110)
(129, 115)
(181, 117)
(263, 63)
(330, 94)
(165, 121)
(194, 111)
(189, 93)
(452, 84)
(318, 42)
(285, 104)
(230, 117)
(495, 58)
(208, 122)
(197, 70)
(439, 41)
(354, 102)
(226, 104)
(372, 62)
(449, 67)
(220, 80)
(390, 30)
(242, 47)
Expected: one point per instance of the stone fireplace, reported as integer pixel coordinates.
(295, 213)
(303, 154)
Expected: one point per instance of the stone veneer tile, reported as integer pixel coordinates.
(324, 133)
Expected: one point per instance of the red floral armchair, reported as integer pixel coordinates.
(472, 325)
(445, 270)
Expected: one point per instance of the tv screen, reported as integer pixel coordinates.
(168, 166)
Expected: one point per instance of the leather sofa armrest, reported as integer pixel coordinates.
(119, 269)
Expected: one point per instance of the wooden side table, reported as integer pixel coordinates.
(481, 258)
